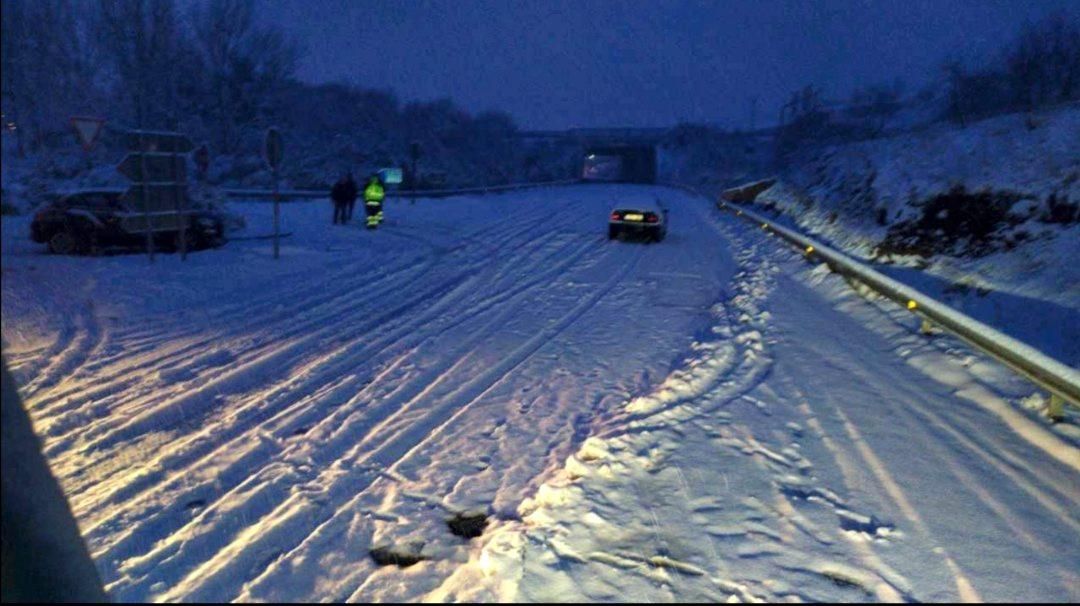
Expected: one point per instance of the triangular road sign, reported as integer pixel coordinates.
(88, 129)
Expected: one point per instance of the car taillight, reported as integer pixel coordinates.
(615, 216)
(651, 218)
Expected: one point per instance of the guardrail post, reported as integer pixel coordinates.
(926, 327)
(1056, 410)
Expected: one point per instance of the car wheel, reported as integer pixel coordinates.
(612, 232)
(63, 242)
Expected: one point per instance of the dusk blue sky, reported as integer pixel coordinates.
(569, 63)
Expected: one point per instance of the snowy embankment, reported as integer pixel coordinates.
(978, 217)
(705, 418)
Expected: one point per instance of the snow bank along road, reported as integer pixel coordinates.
(706, 418)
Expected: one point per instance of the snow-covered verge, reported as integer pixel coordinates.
(985, 217)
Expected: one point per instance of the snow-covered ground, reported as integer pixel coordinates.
(707, 418)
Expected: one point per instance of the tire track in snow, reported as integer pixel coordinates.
(964, 588)
(177, 355)
(1039, 483)
(1015, 521)
(77, 344)
(324, 315)
(878, 383)
(845, 463)
(335, 315)
(140, 415)
(864, 467)
(343, 283)
(541, 278)
(303, 513)
(374, 348)
(241, 347)
(344, 279)
(957, 433)
(952, 432)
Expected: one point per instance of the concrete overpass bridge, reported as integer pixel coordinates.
(600, 136)
(632, 153)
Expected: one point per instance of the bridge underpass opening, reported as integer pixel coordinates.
(619, 164)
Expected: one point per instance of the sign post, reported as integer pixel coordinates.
(87, 129)
(179, 176)
(145, 199)
(202, 162)
(415, 151)
(156, 166)
(274, 152)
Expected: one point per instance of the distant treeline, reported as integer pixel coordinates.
(209, 69)
(1038, 68)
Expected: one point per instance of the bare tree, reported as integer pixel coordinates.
(1043, 64)
(244, 66)
(143, 41)
(17, 97)
(1040, 67)
(45, 72)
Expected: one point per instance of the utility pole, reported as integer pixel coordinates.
(414, 154)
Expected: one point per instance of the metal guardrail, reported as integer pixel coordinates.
(423, 193)
(1061, 381)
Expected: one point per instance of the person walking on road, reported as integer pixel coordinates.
(339, 195)
(373, 200)
(352, 190)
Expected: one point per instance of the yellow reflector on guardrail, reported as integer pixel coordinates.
(912, 304)
(809, 249)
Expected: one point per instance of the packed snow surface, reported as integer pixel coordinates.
(708, 418)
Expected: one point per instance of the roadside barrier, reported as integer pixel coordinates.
(1059, 380)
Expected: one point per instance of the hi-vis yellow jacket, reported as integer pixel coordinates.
(373, 193)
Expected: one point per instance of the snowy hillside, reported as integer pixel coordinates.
(987, 216)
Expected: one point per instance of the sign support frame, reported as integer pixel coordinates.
(181, 203)
(156, 181)
(146, 196)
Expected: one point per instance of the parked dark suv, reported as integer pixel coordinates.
(86, 221)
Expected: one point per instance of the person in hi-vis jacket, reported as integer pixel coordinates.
(373, 200)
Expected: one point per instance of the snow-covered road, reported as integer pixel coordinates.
(704, 418)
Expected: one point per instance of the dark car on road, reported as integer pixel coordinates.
(85, 222)
(644, 220)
